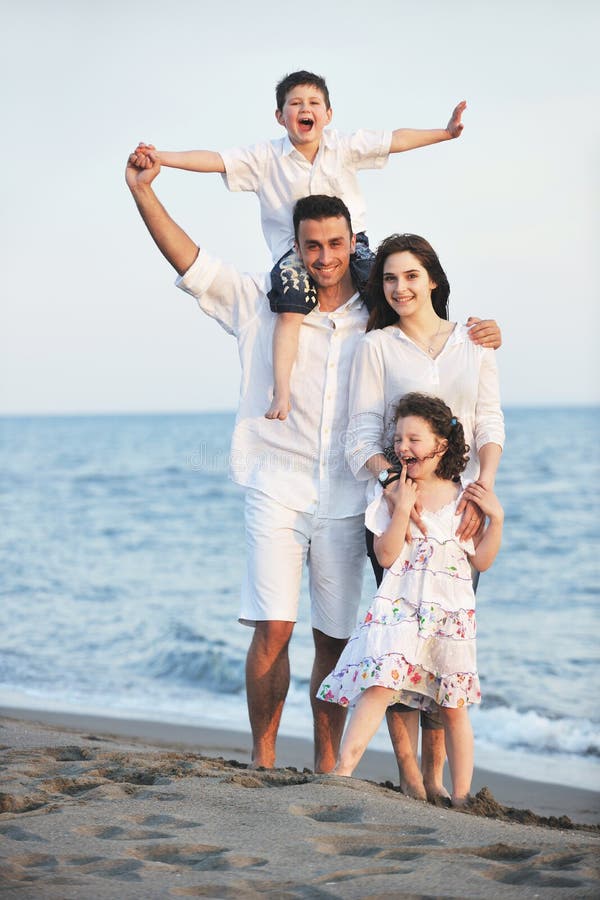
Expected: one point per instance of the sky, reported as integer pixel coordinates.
(90, 319)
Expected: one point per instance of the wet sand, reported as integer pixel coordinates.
(109, 808)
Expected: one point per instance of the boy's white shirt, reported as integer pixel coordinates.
(280, 175)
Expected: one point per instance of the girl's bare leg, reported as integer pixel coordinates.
(366, 719)
(285, 350)
(404, 732)
(459, 746)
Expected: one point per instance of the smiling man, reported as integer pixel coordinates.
(303, 505)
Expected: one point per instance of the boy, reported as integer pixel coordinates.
(308, 161)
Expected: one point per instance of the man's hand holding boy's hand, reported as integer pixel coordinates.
(139, 176)
(144, 156)
(455, 125)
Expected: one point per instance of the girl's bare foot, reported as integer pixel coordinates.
(460, 802)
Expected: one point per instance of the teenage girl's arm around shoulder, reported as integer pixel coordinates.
(411, 138)
(486, 546)
(402, 495)
(190, 160)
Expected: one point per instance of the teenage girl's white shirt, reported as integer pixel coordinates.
(280, 175)
(388, 365)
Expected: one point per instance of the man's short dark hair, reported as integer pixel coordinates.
(320, 206)
(294, 79)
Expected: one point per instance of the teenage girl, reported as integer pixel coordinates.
(416, 644)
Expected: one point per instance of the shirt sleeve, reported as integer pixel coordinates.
(230, 297)
(367, 407)
(243, 167)
(369, 149)
(489, 420)
(377, 514)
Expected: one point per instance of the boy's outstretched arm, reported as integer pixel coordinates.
(172, 241)
(411, 138)
(191, 160)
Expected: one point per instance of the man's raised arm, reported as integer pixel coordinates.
(172, 241)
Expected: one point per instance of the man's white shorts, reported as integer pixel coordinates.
(279, 541)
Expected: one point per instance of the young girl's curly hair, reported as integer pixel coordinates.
(443, 424)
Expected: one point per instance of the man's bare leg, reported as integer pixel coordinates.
(433, 757)
(328, 718)
(267, 683)
(404, 732)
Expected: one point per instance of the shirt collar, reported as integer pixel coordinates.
(459, 334)
(354, 302)
(287, 148)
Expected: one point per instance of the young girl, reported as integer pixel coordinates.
(416, 644)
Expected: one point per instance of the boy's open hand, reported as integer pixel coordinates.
(455, 125)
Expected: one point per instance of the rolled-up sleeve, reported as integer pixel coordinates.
(230, 297)
(489, 420)
(367, 404)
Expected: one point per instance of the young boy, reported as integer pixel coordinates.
(309, 160)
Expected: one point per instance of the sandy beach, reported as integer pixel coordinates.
(108, 808)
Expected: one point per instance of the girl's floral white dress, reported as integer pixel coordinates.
(418, 635)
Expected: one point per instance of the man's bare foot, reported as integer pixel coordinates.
(262, 758)
(278, 409)
(413, 787)
(436, 793)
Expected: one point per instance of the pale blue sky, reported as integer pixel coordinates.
(90, 318)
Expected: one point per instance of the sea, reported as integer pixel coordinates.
(122, 555)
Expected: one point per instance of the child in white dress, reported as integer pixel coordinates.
(416, 644)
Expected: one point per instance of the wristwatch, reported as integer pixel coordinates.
(387, 476)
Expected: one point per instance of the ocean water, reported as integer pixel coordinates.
(122, 554)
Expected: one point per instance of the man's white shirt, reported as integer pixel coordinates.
(301, 461)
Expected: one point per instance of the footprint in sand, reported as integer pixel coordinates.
(14, 833)
(528, 866)
(201, 857)
(116, 833)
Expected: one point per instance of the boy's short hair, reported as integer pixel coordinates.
(296, 78)
(320, 206)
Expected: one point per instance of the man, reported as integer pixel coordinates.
(302, 502)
